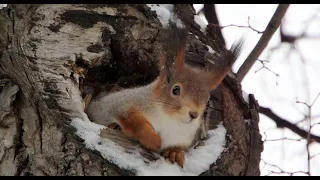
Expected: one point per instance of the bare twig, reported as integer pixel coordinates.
(306, 118)
(314, 101)
(303, 133)
(289, 173)
(282, 123)
(281, 139)
(262, 43)
(315, 155)
(239, 26)
(280, 169)
(309, 140)
(267, 68)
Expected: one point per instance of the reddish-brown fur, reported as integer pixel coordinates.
(195, 86)
(179, 63)
(136, 126)
(214, 79)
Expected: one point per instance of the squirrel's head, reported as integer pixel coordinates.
(184, 91)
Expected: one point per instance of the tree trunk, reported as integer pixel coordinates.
(116, 44)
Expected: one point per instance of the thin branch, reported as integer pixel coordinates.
(281, 170)
(280, 139)
(282, 123)
(309, 140)
(239, 26)
(262, 43)
(289, 173)
(306, 118)
(315, 155)
(267, 68)
(314, 101)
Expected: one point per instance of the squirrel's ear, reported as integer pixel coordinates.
(214, 79)
(162, 63)
(179, 61)
(162, 77)
(163, 71)
(217, 72)
(174, 44)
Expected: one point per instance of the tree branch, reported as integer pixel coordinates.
(239, 26)
(281, 123)
(212, 18)
(262, 43)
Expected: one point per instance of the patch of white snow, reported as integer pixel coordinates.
(3, 5)
(165, 14)
(196, 160)
(245, 96)
(210, 50)
(200, 22)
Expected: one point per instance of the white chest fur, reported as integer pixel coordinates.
(172, 131)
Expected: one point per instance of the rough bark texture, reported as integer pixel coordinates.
(116, 44)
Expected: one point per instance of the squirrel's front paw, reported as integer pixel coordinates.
(151, 142)
(174, 154)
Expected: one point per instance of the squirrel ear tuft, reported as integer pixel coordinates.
(179, 62)
(214, 79)
(174, 45)
(217, 72)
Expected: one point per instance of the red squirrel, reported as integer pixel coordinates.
(165, 114)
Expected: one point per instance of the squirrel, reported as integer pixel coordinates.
(164, 115)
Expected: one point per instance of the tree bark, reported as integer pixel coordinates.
(115, 44)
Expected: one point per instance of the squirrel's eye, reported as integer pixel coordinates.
(176, 90)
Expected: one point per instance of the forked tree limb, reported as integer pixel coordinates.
(263, 42)
(281, 123)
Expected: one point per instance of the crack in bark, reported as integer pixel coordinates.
(87, 19)
(11, 15)
(22, 166)
(40, 124)
(19, 142)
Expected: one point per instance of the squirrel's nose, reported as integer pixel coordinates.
(193, 115)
